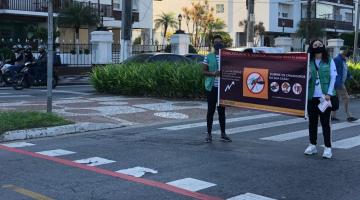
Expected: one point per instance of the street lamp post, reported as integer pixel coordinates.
(283, 26)
(179, 31)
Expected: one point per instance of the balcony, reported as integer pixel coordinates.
(287, 23)
(346, 2)
(41, 6)
(334, 24)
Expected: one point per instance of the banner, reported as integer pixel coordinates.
(269, 82)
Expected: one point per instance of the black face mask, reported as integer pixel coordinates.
(218, 46)
(318, 50)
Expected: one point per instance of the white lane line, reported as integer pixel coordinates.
(250, 196)
(18, 144)
(137, 171)
(191, 184)
(14, 96)
(56, 152)
(303, 133)
(69, 92)
(1, 93)
(201, 124)
(261, 126)
(94, 161)
(347, 143)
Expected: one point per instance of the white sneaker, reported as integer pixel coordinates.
(327, 153)
(310, 150)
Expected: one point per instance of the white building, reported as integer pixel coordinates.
(283, 17)
(17, 17)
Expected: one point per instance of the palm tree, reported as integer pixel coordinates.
(166, 20)
(214, 27)
(77, 15)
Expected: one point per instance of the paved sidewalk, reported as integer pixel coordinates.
(118, 109)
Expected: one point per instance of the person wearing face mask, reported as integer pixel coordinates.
(322, 79)
(343, 75)
(212, 79)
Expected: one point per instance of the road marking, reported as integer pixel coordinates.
(56, 152)
(26, 192)
(97, 170)
(261, 126)
(69, 92)
(1, 93)
(347, 143)
(18, 144)
(191, 184)
(94, 161)
(303, 133)
(137, 171)
(250, 196)
(201, 124)
(15, 96)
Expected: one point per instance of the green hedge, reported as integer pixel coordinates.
(163, 79)
(352, 86)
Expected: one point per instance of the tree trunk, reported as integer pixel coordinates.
(77, 36)
(165, 31)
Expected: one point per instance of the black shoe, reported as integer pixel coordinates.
(208, 139)
(351, 119)
(225, 138)
(335, 119)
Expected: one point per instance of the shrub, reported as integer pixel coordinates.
(6, 53)
(352, 87)
(163, 79)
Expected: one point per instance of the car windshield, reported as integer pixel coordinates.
(138, 58)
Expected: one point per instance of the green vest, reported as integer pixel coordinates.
(213, 66)
(324, 76)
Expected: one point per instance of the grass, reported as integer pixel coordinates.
(12, 120)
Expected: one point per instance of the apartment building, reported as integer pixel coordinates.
(19, 18)
(283, 17)
(226, 10)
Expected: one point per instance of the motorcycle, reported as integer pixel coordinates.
(26, 79)
(7, 71)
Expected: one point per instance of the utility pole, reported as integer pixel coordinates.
(126, 29)
(308, 21)
(50, 56)
(356, 31)
(250, 24)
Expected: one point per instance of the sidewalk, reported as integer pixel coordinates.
(74, 80)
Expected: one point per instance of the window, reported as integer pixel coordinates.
(285, 11)
(220, 8)
(348, 17)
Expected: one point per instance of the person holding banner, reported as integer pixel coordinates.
(212, 79)
(322, 79)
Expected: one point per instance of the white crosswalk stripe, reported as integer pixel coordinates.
(260, 126)
(137, 171)
(191, 184)
(202, 124)
(347, 143)
(305, 132)
(250, 196)
(18, 144)
(55, 152)
(94, 161)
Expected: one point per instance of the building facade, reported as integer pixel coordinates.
(21, 19)
(282, 18)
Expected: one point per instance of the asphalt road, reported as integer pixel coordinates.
(264, 161)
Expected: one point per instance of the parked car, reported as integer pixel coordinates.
(195, 57)
(259, 49)
(157, 57)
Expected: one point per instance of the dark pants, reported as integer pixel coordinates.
(212, 97)
(314, 113)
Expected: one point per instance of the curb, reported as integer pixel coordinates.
(57, 130)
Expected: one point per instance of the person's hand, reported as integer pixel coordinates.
(217, 73)
(327, 97)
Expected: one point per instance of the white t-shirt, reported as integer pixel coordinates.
(333, 73)
(217, 79)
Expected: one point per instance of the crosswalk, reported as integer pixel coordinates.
(189, 184)
(278, 121)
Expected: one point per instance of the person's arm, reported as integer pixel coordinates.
(206, 71)
(333, 74)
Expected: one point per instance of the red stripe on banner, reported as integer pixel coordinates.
(97, 170)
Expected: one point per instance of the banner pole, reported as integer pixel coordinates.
(307, 85)
(219, 64)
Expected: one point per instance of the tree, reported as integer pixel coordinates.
(76, 15)
(315, 31)
(166, 20)
(214, 27)
(259, 32)
(349, 39)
